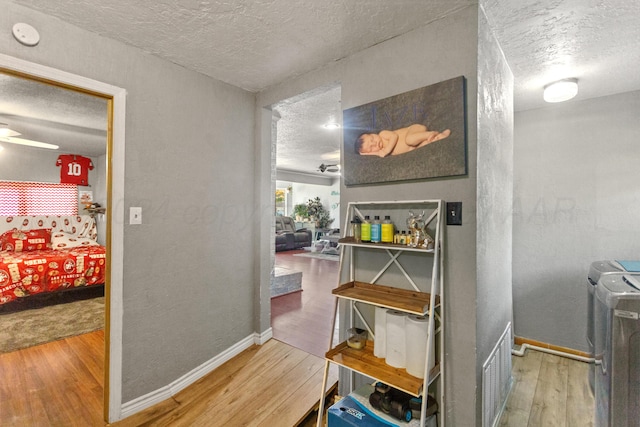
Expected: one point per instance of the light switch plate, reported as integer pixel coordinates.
(454, 213)
(135, 215)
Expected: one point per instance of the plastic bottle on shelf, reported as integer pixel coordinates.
(409, 238)
(356, 228)
(386, 234)
(376, 230)
(365, 229)
(403, 238)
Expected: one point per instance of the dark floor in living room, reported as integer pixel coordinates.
(304, 319)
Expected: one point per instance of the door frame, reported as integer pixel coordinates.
(116, 101)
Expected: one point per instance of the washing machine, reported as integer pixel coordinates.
(617, 350)
(596, 271)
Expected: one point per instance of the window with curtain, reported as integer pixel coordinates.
(38, 198)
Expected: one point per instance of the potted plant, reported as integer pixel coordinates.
(300, 211)
(316, 210)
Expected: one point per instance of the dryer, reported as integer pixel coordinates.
(617, 350)
(596, 271)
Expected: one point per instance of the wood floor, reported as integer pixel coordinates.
(549, 390)
(60, 383)
(270, 385)
(55, 384)
(304, 319)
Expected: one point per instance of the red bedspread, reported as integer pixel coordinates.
(28, 273)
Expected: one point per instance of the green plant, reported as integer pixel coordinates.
(324, 219)
(316, 210)
(300, 210)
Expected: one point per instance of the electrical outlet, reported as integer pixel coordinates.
(135, 215)
(454, 213)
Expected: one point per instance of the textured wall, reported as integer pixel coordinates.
(495, 196)
(576, 201)
(188, 276)
(439, 51)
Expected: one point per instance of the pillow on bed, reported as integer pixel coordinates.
(62, 240)
(25, 240)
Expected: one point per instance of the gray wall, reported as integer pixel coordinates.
(188, 276)
(495, 196)
(453, 41)
(18, 163)
(577, 198)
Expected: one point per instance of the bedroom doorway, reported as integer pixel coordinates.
(106, 186)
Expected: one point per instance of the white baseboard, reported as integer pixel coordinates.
(143, 402)
(262, 338)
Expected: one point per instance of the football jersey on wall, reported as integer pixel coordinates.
(74, 169)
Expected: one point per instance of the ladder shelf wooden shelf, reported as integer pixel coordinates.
(413, 302)
(425, 298)
(364, 362)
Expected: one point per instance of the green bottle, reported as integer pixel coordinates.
(365, 229)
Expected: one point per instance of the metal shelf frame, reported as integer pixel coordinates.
(428, 300)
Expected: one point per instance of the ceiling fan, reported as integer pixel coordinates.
(328, 168)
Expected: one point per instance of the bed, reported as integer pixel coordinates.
(45, 254)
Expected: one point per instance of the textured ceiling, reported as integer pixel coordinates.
(44, 102)
(303, 143)
(251, 44)
(75, 121)
(254, 44)
(595, 41)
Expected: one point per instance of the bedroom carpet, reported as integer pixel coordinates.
(26, 328)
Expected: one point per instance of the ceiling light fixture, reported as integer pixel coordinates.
(332, 125)
(5, 131)
(30, 143)
(560, 91)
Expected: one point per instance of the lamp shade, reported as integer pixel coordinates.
(562, 90)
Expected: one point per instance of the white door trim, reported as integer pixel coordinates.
(117, 209)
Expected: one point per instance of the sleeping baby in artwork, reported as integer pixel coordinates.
(399, 141)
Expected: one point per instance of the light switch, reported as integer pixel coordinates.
(454, 213)
(135, 215)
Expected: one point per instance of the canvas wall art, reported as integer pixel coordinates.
(420, 134)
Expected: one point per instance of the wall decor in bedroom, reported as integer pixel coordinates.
(74, 169)
(418, 134)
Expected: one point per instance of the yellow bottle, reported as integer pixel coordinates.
(387, 230)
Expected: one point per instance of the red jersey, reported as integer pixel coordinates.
(75, 169)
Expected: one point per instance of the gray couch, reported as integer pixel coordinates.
(288, 238)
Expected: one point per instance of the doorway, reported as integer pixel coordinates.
(307, 158)
(114, 210)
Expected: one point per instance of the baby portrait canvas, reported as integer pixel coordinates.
(418, 134)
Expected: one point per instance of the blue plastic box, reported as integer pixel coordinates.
(354, 410)
(349, 413)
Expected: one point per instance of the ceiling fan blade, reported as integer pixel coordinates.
(328, 168)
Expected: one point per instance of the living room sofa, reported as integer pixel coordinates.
(288, 238)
